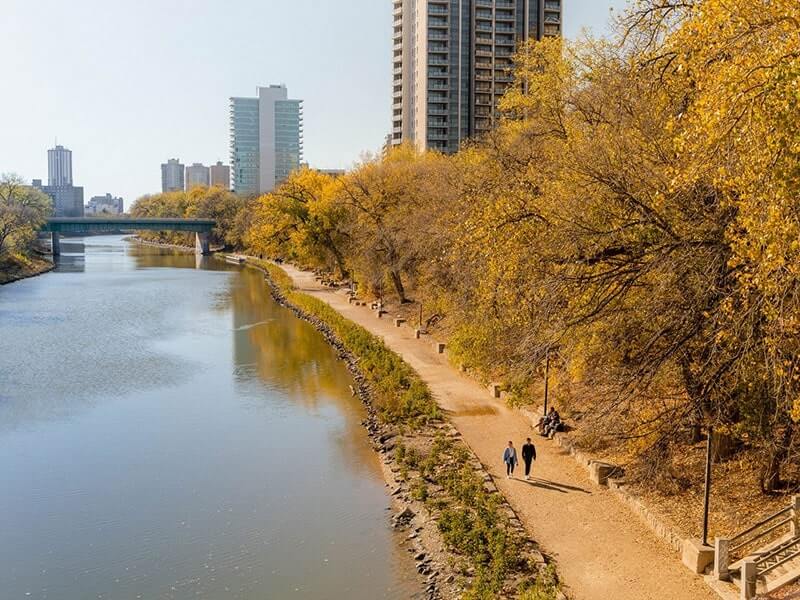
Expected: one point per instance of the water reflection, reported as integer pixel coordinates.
(70, 263)
(157, 257)
(293, 355)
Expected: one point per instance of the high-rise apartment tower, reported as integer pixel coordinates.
(67, 198)
(266, 139)
(197, 175)
(59, 166)
(452, 62)
(172, 176)
(220, 175)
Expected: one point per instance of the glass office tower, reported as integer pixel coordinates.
(244, 145)
(266, 139)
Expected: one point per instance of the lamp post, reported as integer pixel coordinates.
(707, 494)
(546, 380)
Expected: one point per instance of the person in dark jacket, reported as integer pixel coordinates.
(554, 424)
(510, 458)
(528, 456)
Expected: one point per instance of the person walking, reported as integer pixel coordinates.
(510, 458)
(528, 456)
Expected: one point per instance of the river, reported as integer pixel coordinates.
(168, 431)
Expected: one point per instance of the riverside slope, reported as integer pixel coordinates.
(602, 550)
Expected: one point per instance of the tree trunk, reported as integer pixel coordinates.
(723, 446)
(398, 286)
(771, 479)
(699, 402)
(339, 261)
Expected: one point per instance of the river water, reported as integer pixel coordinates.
(167, 431)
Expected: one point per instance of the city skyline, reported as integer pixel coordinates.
(123, 114)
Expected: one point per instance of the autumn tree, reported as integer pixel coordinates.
(215, 203)
(384, 198)
(23, 210)
(302, 219)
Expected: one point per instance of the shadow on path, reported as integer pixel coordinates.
(554, 486)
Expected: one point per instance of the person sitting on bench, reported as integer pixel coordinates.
(554, 423)
(550, 423)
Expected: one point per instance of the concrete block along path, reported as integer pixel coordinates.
(603, 551)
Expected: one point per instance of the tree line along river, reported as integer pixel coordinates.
(168, 431)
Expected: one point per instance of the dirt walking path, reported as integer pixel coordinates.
(602, 549)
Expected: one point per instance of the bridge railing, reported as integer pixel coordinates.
(94, 224)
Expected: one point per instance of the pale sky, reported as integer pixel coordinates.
(127, 85)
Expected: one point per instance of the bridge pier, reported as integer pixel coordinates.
(55, 243)
(201, 243)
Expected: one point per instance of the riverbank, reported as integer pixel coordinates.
(135, 239)
(18, 267)
(602, 552)
(466, 540)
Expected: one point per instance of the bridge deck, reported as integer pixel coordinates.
(92, 224)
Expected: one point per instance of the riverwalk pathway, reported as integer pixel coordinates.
(602, 550)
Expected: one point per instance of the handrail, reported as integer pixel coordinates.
(761, 523)
(760, 535)
(781, 562)
(776, 551)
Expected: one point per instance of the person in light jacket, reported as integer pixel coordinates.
(510, 458)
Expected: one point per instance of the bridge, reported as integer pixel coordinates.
(84, 225)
